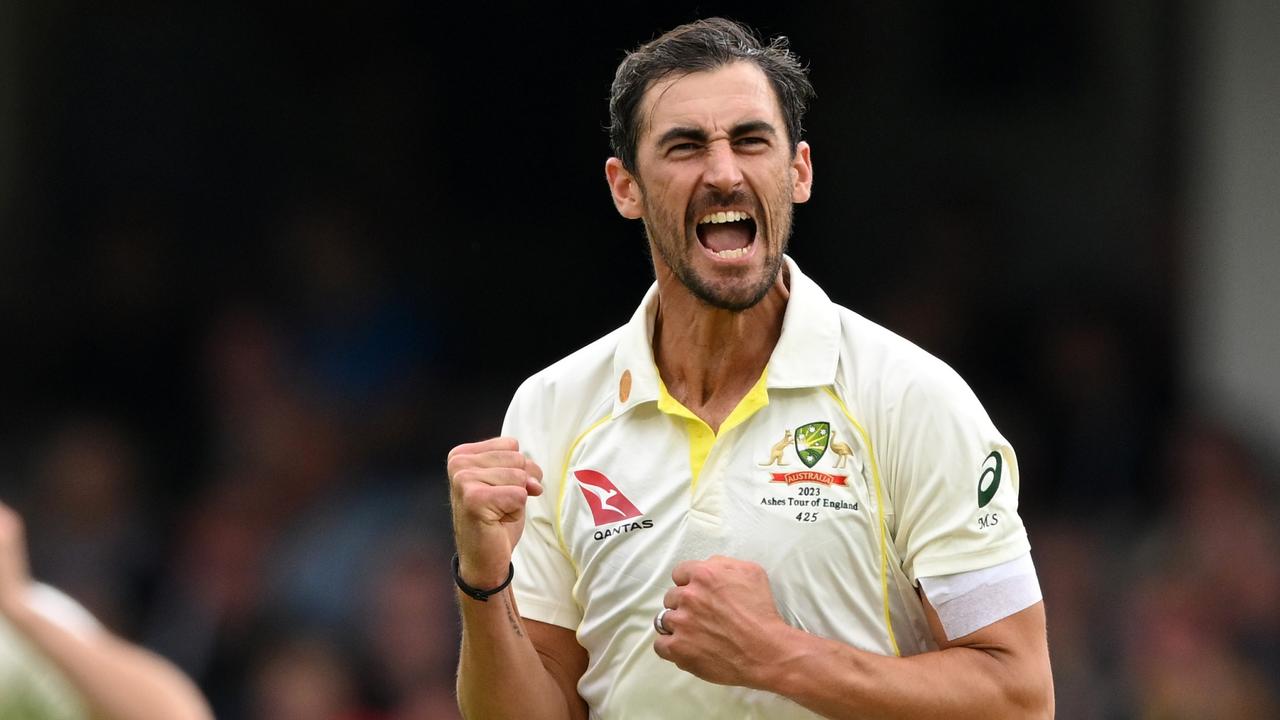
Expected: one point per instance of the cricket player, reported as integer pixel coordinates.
(748, 501)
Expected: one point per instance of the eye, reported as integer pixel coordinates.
(751, 141)
(683, 148)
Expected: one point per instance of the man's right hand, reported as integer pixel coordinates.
(489, 483)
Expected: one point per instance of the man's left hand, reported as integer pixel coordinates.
(723, 621)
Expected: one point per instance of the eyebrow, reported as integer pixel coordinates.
(699, 135)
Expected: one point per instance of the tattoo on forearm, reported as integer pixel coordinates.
(511, 615)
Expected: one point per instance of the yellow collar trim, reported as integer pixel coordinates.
(701, 437)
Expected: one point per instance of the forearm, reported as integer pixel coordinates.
(839, 681)
(117, 681)
(500, 673)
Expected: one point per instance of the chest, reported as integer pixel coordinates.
(790, 488)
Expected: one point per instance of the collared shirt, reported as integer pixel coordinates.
(855, 465)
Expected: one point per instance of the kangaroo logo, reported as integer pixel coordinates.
(775, 453)
(607, 503)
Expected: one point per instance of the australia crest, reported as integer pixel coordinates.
(812, 441)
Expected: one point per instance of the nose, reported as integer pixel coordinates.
(722, 172)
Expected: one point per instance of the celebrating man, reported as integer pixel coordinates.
(748, 502)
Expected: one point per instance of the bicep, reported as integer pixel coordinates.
(564, 659)
(1015, 647)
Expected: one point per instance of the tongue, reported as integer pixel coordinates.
(726, 236)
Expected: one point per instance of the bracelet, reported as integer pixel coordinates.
(477, 593)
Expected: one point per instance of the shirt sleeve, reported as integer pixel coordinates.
(953, 481)
(544, 576)
(57, 607)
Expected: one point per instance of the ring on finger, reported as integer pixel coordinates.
(658, 624)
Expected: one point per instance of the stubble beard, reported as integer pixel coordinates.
(670, 236)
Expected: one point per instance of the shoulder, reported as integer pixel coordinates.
(881, 368)
(578, 378)
(556, 403)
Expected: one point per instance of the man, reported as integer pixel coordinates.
(748, 502)
(58, 663)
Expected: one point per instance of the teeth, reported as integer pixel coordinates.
(732, 253)
(724, 217)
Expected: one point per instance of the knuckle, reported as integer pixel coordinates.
(473, 496)
(511, 498)
(460, 478)
(458, 463)
(464, 495)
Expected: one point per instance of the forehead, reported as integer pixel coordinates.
(711, 100)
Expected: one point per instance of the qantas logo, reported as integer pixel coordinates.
(607, 503)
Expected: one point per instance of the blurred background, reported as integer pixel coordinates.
(262, 266)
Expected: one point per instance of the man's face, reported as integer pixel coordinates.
(715, 181)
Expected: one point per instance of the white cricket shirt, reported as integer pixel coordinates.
(857, 464)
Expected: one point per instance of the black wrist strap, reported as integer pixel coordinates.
(477, 593)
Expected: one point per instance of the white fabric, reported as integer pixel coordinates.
(969, 601)
(909, 435)
(58, 607)
(31, 687)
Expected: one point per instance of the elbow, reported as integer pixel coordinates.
(199, 711)
(186, 700)
(1032, 699)
(1038, 708)
(187, 704)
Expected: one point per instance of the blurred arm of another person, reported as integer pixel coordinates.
(115, 679)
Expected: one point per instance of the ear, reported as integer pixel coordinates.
(802, 166)
(625, 188)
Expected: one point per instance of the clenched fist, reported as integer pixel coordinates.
(489, 483)
(723, 621)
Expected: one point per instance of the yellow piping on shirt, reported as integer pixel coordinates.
(564, 483)
(884, 547)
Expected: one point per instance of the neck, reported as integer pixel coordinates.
(708, 357)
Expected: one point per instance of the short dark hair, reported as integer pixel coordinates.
(695, 47)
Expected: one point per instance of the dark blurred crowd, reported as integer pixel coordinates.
(262, 271)
(303, 572)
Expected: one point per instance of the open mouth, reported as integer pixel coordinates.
(727, 234)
